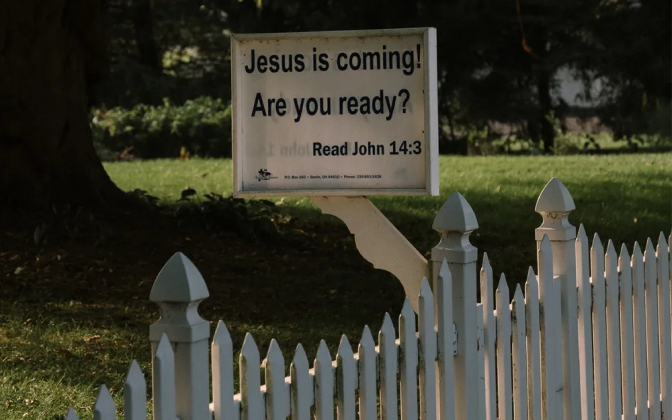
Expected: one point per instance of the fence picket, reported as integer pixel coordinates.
(504, 393)
(388, 370)
(252, 400)
(627, 338)
(585, 300)
(481, 360)
(613, 333)
(224, 407)
(664, 324)
(551, 382)
(72, 415)
(652, 355)
(489, 335)
(519, 356)
(135, 394)
(104, 408)
(367, 376)
(427, 350)
(444, 308)
(533, 346)
(409, 362)
(599, 329)
(301, 385)
(346, 381)
(163, 381)
(324, 384)
(639, 326)
(277, 391)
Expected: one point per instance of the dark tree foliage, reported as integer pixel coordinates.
(498, 61)
(630, 55)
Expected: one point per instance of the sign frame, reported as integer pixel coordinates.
(430, 88)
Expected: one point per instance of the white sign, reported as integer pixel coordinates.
(335, 113)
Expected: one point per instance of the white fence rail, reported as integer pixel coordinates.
(589, 339)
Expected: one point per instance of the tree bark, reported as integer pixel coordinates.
(52, 54)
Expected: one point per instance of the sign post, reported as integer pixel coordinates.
(339, 116)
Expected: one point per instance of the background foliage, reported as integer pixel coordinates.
(498, 62)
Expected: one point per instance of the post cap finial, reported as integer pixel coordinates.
(555, 197)
(456, 215)
(179, 281)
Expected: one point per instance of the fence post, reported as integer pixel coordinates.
(455, 222)
(554, 204)
(178, 290)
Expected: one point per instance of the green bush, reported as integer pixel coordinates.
(201, 125)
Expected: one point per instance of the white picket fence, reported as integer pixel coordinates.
(590, 338)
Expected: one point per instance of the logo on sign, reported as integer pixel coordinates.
(264, 175)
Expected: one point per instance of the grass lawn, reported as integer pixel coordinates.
(74, 313)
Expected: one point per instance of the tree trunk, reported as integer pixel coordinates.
(51, 55)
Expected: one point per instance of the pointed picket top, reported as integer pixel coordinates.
(346, 380)
(323, 356)
(545, 245)
(222, 372)
(222, 337)
(624, 258)
(407, 311)
(388, 326)
(135, 376)
(104, 408)
(367, 342)
(554, 198)
(545, 262)
(486, 261)
(649, 250)
(582, 233)
(250, 351)
(425, 290)
(662, 243)
(277, 392)
(611, 271)
(611, 250)
(503, 287)
(518, 295)
(302, 395)
(324, 384)
(388, 366)
(135, 393)
(164, 351)
(444, 271)
(300, 360)
(344, 350)
(597, 244)
(456, 215)
(163, 381)
(367, 376)
(274, 354)
(72, 415)
(531, 276)
(637, 251)
(179, 281)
